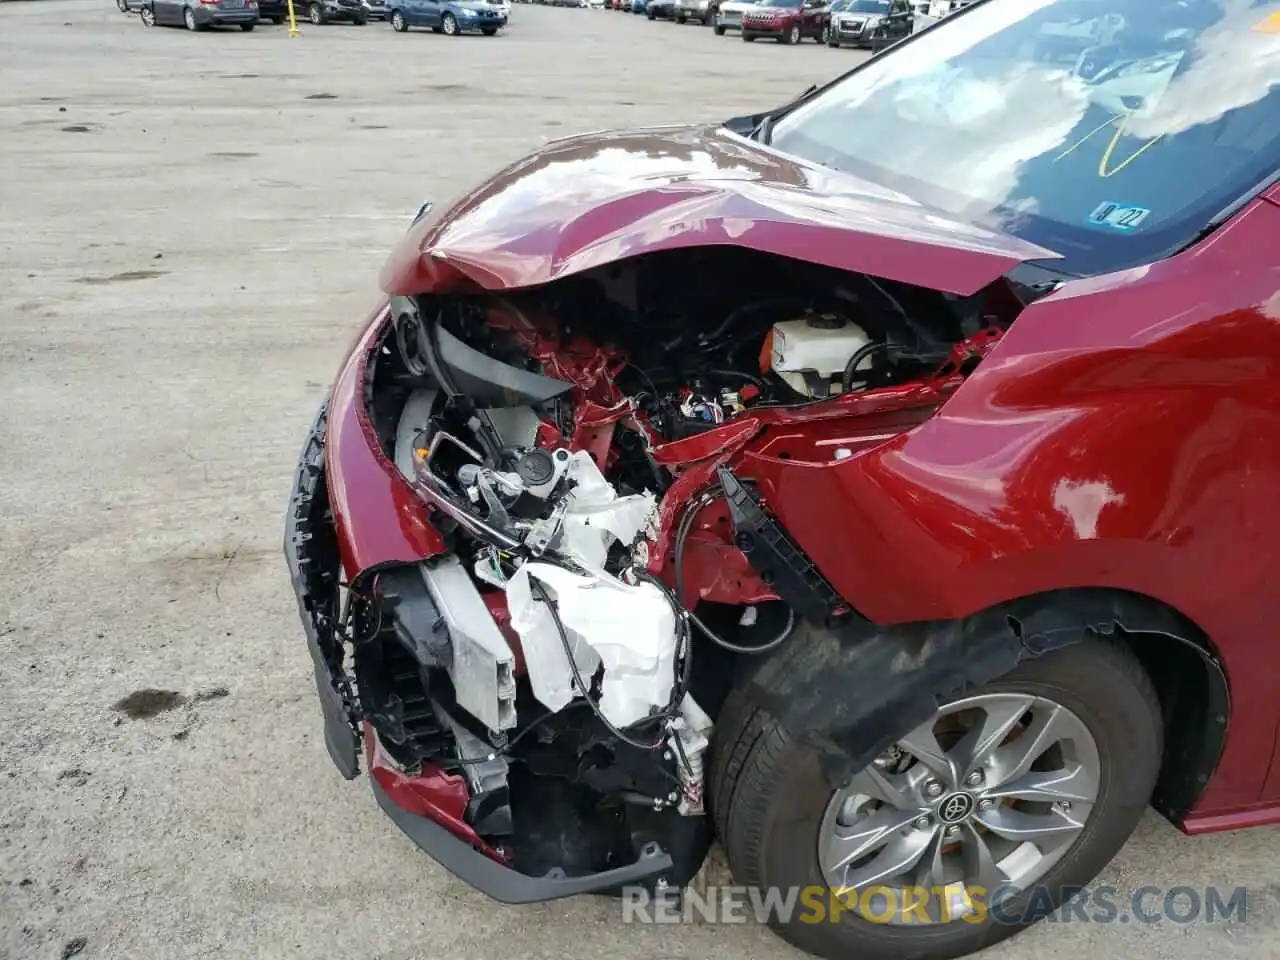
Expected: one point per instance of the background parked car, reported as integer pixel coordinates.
(273, 10)
(200, 14)
(450, 17)
(637, 6)
(787, 21)
(828, 15)
(128, 6)
(703, 11)
(332, 11)
(374, 9)
(660, 9)
(729, 15)
(872, 23)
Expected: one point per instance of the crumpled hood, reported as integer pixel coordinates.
(592, 200)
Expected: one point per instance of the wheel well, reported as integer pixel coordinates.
(1187, 673)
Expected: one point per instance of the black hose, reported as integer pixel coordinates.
(682, 535)
(866, 350)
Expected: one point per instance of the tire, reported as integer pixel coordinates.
(793, 35)
(398, 22)
(148, 16)
(449, 25)
(316, 14)
(771, 800)
(833, 43)
(247, 27)
(277, 20)
(719, 30)
(122, 6)
(361, 21)
(650, 16)
(748, 37)
(489, 31)
(682, 20)
(189, 18)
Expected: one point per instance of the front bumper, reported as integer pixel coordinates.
(336, 11)
(428, 805)
(481, 23)
(765, 29)
(208, 16)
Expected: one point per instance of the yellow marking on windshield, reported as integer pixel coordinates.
(1105, 170)
(1269, 24)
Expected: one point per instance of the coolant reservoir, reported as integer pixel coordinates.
(814, 348)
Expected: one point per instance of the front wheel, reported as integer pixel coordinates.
(122, 6)
(247, 27)
(398, 22)
(719, 30)
(148, 16)
(189, 18)
(968, 828)
(315, 13)
(489, 31)
(449, 25)
(748, 37)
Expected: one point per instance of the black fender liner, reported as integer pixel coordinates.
(874, 684)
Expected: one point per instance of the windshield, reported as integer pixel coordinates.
(869, 6)
(779, 3)
(1109, 131)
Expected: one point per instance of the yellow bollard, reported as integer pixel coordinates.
(293, 21)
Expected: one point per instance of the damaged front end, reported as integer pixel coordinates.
(541, 524)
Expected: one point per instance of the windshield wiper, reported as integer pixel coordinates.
(764, 132)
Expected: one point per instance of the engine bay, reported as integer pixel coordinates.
(579, 445)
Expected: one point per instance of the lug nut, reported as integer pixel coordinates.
(953, 831)
(933, 789)
(974, 778)
(986, 804)
(923, 823)
(1064, 805)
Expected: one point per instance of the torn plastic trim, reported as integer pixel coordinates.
(503, 883)
(886, 681)
(337, 702)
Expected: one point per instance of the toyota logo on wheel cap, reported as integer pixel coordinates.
(955, 807)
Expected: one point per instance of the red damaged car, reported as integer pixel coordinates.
(885, 484)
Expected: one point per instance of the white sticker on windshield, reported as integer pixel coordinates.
(1118, 216)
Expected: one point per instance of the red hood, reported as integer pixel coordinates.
(592, 200)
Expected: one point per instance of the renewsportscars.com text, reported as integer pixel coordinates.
(923, 905)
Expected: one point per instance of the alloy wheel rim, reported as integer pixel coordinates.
(795, 34)
(315, 15)
(449, 26)
(190, 19)
(147, 16)
(990, 793)
(397, 21)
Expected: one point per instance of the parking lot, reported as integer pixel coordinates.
(191, 227)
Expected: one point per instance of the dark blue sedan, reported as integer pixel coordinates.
(450, 17)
